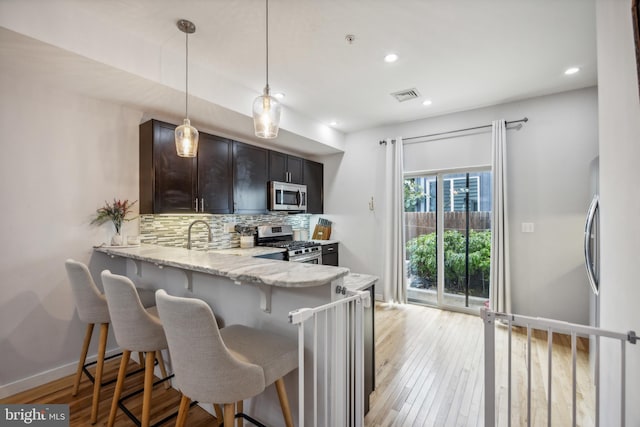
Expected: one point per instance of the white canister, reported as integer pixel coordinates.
(297, 234)
(246, 241)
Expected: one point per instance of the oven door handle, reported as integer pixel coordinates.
(306, 258)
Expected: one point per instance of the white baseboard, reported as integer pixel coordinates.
(45, 377)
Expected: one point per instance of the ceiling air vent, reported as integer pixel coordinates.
(405, 95)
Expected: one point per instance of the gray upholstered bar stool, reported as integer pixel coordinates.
(92, 309)
(225, 365)
(136, 329)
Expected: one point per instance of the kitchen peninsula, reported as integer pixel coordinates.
(240, 289)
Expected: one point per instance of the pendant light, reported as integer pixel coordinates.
(266, 108)
(186, 135)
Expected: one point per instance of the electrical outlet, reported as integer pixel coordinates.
(229, 227)
(527, 227)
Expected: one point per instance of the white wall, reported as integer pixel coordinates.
(63, 155)
(619, 115)
(549, 160)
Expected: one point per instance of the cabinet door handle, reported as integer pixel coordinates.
(196, 202)
(202, 204)
(330, 249)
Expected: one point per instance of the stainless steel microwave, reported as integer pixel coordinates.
(284, 196)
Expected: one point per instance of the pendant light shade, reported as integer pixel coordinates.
(266, 108)
(186, 140)
(186, 135)
(266, 115)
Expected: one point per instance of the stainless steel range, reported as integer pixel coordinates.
(281, 236)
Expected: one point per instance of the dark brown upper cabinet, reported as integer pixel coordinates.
(285, 168)
(215, 174)
(313, 178)
(250, 177)
(226, 177)
(167, 182)
(173, 184)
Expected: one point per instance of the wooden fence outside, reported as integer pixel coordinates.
(418, 223)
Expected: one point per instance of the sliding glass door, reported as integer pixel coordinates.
(420, 196)
(448, 235)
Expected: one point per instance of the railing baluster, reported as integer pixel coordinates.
(326, 367)
(597, 381)
(489, 368)
(529, 375)
(549, 372)
(301, 404)
(315, 369)
(509, 376)
(359, 358)
(574, 376)
(622, 383)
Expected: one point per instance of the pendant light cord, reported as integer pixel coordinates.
(267, 42)
(186, 83)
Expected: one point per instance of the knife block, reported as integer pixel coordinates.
(322, 232)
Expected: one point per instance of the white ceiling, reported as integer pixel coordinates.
(461, 54)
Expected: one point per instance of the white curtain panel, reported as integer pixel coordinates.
(394, 266)
(500, 295)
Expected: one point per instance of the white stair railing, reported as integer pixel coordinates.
(550, 326)
(331, 367)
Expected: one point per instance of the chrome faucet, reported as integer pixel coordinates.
(189, 233)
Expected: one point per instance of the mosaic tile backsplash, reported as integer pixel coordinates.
(171, 230)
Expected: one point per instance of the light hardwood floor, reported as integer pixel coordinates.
(429, 372)
(164, 402)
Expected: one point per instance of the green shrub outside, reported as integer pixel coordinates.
(424, 264)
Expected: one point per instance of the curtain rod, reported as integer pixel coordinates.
(524, 120)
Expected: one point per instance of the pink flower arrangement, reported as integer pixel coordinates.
(115, 213)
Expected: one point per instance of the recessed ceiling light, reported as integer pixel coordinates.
(278, 95)
(571, 70)
(333, 123)
(426, 102)
(391, 57)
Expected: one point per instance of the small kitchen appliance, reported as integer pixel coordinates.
(285, 196)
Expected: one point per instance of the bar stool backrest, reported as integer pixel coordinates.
(206, 370)
(135, 329)
(91, 304)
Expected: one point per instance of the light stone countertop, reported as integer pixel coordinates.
(238, 268)
(255, 251)
(325, 242)
(358, 282)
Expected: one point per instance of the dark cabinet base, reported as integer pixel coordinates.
(369, 348)
(330, 254)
